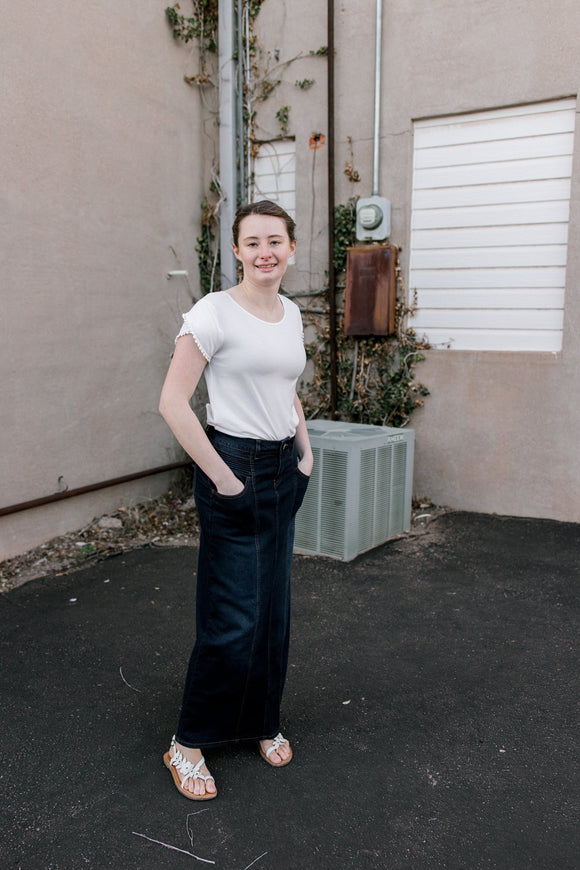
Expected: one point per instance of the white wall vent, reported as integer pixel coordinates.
(489, 227)
(360, 491)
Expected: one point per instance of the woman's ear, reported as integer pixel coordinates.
(236, 251)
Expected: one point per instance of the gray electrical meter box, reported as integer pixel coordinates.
(373, 219)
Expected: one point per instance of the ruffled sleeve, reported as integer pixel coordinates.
(202, 323)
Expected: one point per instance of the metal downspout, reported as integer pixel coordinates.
(227, 139)
(247, 80)
(240, 104)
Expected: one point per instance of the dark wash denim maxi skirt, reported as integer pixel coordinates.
(237, 669)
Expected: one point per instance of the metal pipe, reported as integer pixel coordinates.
(240, 107)
(227, 140)
(249, 107)
(377, 124)
(331, 276)
(91, 487)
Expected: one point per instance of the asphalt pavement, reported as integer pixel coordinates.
(431, 702)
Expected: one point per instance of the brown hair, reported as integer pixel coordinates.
(266, 207)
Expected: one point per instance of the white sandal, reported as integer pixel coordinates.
(178, 764)
(278, 741)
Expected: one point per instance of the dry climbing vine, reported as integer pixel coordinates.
(262, 75)
(202, 24)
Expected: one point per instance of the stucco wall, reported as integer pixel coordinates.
(102, 160)
(499, 432)
(105, 158)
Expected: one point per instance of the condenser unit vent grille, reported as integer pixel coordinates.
(360, 491)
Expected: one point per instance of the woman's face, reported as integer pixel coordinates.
(263, 248)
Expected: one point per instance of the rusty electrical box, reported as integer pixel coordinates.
(371, 290)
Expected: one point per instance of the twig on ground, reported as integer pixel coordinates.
(255, 861)
(174, 848)
(190, 829)
(126, 683)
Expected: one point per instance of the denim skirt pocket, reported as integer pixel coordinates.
(302, 481)
(234, 513)
(228, 514)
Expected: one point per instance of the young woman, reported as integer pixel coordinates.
(252, 465)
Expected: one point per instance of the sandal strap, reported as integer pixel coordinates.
(277, 742)
(186, 768)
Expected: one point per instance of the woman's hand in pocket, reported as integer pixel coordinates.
(231, 485)
(306, 464)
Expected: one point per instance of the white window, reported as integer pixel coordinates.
(275, 174)
(489, 227)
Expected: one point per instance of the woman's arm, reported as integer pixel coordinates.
(182, 379)
(303, 441)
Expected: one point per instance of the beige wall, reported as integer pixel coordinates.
(102, 160)
(500, 431)
(105, 155)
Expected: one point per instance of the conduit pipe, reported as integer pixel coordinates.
(377, 122)
(91, 487)
(331, 276)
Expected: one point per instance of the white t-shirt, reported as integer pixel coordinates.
(252, 366)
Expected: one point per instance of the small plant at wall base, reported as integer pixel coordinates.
(376, 381)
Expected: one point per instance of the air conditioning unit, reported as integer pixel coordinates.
(360, 491)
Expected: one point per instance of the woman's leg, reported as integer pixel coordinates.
(238, 666)
(290, 487)
(223, 663)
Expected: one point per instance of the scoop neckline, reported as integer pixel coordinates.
(255, 317)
